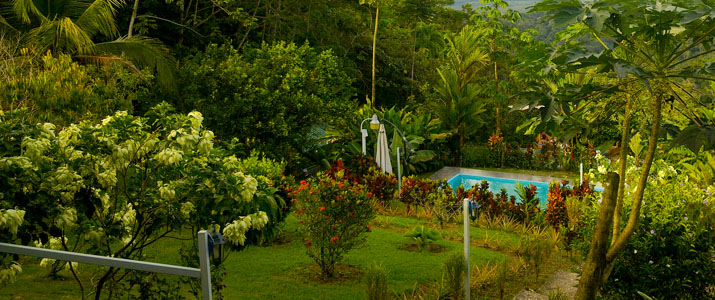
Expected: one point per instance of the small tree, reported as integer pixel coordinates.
(651, 46)
(333, 215)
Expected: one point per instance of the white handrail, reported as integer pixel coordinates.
(204, 272)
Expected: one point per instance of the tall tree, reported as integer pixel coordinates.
(457, 105)
(648, 43)
(377, 4)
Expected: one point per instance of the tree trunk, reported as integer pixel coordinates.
(134, 16)
(412, 72)
(596, 263)
(599, 265)
(623, 157)
(374, 44)
(496, 81)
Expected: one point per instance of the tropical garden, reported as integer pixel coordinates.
(126, 127)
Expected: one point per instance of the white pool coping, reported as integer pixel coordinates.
(447, 173)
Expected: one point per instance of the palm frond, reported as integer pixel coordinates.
(106, 60)
(143, 52)
(97, 16)
(61, 34)
(25, 9)
(5, 25)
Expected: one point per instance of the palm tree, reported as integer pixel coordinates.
(73, 26)
(457, 106)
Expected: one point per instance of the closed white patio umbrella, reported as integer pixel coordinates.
(382, 155)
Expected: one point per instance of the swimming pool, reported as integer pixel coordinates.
(497, 184)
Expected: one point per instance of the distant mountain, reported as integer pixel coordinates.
(519, 5)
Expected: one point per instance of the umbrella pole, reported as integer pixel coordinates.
(364, 135)
(399, 173)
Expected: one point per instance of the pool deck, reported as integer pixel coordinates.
(449, 172)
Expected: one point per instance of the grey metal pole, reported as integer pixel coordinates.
(580, 176)
(205, 265)
(466, 248)
(399, 173)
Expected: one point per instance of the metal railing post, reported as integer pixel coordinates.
(205, 265)
(466, 248)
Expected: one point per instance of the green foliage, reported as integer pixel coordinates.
(60, 91)
(376, 283)
(443, 204)
(671, 252)
(274, 98)
(423, 235)
(501, 277)
(115, 187)
(535, 250)
(495, 205)
(415, 191)
(381, 186)
(334, 216)
(456, 104)
(529, 202)
(81, 29)
(454, 271)
(671, 255)
(557, 214)
(422, 131)
(701, 171)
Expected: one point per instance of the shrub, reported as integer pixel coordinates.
(423, 236)
(376, 283)
(268, 197)
(60, 91)
(116, 187)
(493, 205)
(269, 96)
(334, 214)
(556, 214)
(529, 202)
(556, 210)
(363, 170)
(415, 191)
(535, 250)
(381, 186)
(454, 276)
(672, 255)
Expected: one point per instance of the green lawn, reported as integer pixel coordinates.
(284, 271)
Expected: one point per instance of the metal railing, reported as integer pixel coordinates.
(204, 272)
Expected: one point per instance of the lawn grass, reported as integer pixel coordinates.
(284, 271)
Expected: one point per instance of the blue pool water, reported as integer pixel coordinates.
(497, 184)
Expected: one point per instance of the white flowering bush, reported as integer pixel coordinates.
(115, 187)
(10, 221)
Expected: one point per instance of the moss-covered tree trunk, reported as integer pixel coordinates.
(596, 262)
(601, 258)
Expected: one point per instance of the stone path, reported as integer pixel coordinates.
(567, 282)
